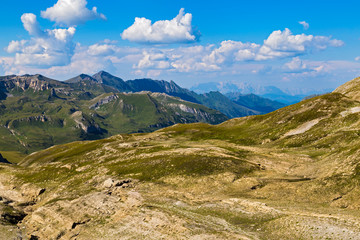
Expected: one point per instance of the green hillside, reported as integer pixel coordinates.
(38, 112)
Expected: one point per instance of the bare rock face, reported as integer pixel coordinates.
(35, 82)
(103, 101)
(3, 160)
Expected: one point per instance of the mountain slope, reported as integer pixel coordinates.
(214, 100)
(37, 112)
(254, 102)
(291, 174)
(350, 89)
(110, 80)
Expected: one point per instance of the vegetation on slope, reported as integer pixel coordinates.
(38, 113)
(248, 178)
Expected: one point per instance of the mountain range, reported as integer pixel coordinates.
(291, 174)
(270, 92)
(37, 112)
(212, 99)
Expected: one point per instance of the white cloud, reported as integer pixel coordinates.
(304, 24)
(71, 12)
(185, 59)
(102, 49)
(177, 30)
(357, 58)
(279, 44)
(296, 65)
(31, 24)
(154, 60)
(231, 51)
(16, 46)
(45, 48)
(286, 41)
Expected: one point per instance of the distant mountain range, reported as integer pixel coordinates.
(270, 92)
(212, 99)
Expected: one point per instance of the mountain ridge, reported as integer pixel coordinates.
(229, 108)
(37, 112)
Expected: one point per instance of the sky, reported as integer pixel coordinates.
(300, 45)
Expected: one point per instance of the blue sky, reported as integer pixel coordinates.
(258, 42)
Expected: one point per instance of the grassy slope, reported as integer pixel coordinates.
(218, 178)
(326, 142)
(22, 130)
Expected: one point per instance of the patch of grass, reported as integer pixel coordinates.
(154, 168)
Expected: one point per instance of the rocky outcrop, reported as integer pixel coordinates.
(87, 124)
(35, 82)
(199, 114)
(3, 160)
(103, 101)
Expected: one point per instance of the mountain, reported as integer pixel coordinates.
(110, 80)
(37, 112)
(214, 100)
(260, 104)
(271, 92)
(291, 174)
(350, 89)
(162, 86)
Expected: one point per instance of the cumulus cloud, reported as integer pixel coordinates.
(102, 49)
(231, 51)
(296, 65)
(45, 48)
(279, 45)
(31, 24)
(71, 12)
(154, 60)
(185, 59)
(304, 24)
(177, 30)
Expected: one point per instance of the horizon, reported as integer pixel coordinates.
(285, 45)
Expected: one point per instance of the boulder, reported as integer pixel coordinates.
(108, 183)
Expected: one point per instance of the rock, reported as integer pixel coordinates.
(108, 183)
(127, 183)
(3, 160)
(41, 191)
(11, 215)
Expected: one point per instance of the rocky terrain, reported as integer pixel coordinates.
(290, 174)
